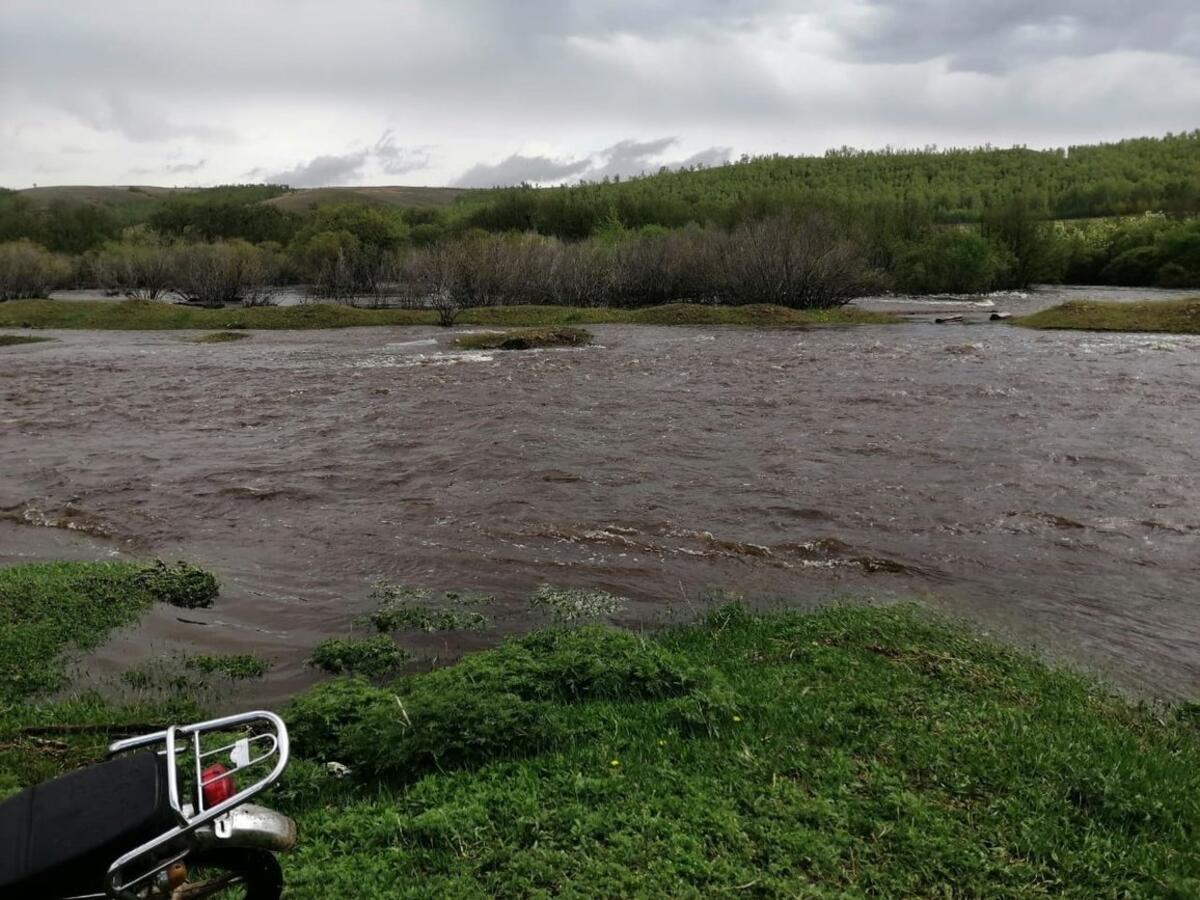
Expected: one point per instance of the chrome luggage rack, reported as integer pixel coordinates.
(266, 737)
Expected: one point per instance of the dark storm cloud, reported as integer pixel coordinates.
(1000, 35)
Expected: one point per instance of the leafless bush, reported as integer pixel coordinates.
(142, 271)
(28, 270)
(579, 275)
(221, 272)
(665, 268)
(802, 261)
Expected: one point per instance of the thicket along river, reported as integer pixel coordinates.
(1044, 484)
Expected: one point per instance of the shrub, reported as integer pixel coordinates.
(223, 272)
(181, 585)
(140, 271)
(28, 270)
(952, 261)
(373, 656)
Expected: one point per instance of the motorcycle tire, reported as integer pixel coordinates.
(261, 877)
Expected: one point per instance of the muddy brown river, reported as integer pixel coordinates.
(1043, 484)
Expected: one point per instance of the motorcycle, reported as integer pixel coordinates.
(163, 818)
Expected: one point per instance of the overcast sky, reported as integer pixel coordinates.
(472, 92)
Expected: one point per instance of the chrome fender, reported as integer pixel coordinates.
(249, 826)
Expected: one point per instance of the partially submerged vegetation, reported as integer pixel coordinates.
(49, 609)
(855, 751)
(147, 315)
(525, 339)
(221, 337)
(373, 656)
(1164, 316)
(12, 340)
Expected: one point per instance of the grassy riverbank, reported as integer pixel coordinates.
(145, 315)
(845, 753)
(1164, 316)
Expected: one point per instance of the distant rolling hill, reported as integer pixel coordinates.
(299, 200)
(303, 199)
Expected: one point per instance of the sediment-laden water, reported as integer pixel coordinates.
(1046, 484)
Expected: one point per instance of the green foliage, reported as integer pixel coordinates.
(1162, 316)
(525, 339)
(29, 270)
(502, 703)
(47, 609)
(148, 316)
(182, 584)
(234, 666)
(12, 340)
(571, 606)
(404, 608)
(856, 752)
(952, 261)
(373, 656)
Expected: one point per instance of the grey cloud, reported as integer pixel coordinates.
(322, 171)
(520, 169)
(396, 160)
(624, 158)
(995, 36)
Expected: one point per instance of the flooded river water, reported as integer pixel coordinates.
(1044, 484)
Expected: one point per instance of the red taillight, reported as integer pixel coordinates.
(216, 786)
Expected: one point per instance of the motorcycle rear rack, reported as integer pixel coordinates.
(251, 751)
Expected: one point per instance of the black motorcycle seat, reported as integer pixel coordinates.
(60, 837)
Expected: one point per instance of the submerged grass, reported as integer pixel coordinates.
(850, 752)
(1161, 316)
(153, 315)
(221, 337)
(525, 339)
(12, 340)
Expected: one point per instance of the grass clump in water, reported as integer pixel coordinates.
(234, 666)
(374, 656)
(12, 340)
(525, 339)
(403, 608)
(572, 606)
(1155, 316)
(182, 584)
(222, 337)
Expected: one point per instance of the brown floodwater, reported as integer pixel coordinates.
(1043, 484)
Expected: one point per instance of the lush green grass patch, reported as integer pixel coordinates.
(525, 339)
(373, 656)
(222, 337)
(47, 609)
(234, 666)
(854, 752)
(1169, 316)
(147, 315)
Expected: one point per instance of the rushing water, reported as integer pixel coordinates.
(1045, 484)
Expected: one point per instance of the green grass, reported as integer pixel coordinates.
(525, 339)
(1165, 316)
(146, 315)
(850, 752)
(855, 752)
(12, 340)
(49, 609)
(373, 656)
(234, 666)
(221, 337)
